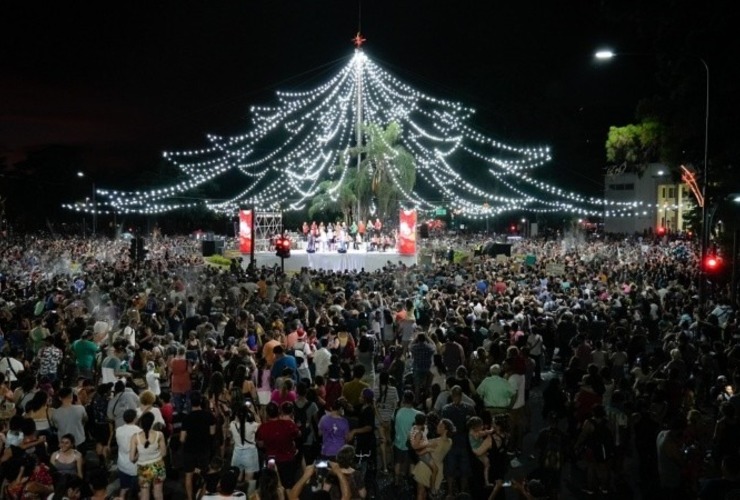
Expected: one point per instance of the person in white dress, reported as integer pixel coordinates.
(322, 239)
(152, 379)
(330, 238)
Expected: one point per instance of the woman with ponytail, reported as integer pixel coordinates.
(285, 393)
(148, 449)
(245, 456)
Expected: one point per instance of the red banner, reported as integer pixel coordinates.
(407, 233)
(245, 231)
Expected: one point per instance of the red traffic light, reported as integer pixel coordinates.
(282, 247)
(712, 263)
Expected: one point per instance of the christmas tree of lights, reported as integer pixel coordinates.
(299, 141)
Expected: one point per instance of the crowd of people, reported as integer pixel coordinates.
(168, 376)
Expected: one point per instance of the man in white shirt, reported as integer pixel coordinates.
(124, 398)
(322, 359)
(129, 333)
(127, 474)
(111, 368)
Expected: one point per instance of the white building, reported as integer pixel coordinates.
(660, 203)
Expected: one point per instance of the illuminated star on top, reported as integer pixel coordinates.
(358, 40)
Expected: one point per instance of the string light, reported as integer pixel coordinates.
(297, 143)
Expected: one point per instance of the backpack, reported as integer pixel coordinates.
(99, 410)
(300, 415)
(552, 454)
(601, 441)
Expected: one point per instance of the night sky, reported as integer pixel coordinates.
(123, 81)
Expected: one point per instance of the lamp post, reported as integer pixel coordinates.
(81, 174)
(660, 222)
(608, 54)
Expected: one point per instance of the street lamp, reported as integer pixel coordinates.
(81, 174)
(608, 54)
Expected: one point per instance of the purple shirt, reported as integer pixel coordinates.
(333, 430)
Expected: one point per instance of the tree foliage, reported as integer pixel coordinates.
(634, 145)
(386, 174)
(387, 171)
(335, 196)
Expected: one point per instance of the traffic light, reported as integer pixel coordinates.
(282, 247)
(712, 264)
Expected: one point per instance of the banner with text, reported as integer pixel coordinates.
(245, 231)
(407, 233)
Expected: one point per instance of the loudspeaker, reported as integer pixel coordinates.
(494, 249)
(424, 230)
(208, 248)
(500, 249)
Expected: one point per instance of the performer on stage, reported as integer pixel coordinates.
(374, 243)
(314, 229)
(361, 230)
(322, 238)
(311, 244)
(378, 226)
(342, 239)
(330, 237)
(304, 230)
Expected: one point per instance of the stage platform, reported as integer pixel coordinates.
(353, 260)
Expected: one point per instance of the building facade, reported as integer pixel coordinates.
(659, 203)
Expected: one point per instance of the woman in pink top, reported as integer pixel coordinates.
(286, 393)
(180, 369)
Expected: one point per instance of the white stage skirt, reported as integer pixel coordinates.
(333, 261)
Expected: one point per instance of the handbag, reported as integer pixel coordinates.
(52, 434)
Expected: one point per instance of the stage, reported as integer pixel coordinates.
(353, 260)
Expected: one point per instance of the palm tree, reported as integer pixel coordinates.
(386, 174)
(387, 171)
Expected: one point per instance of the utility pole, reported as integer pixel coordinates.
(358, 125)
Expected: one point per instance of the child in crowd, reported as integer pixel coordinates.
(481, 443)
(421, 445)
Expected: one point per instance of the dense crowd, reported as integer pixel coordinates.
(122, 379)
